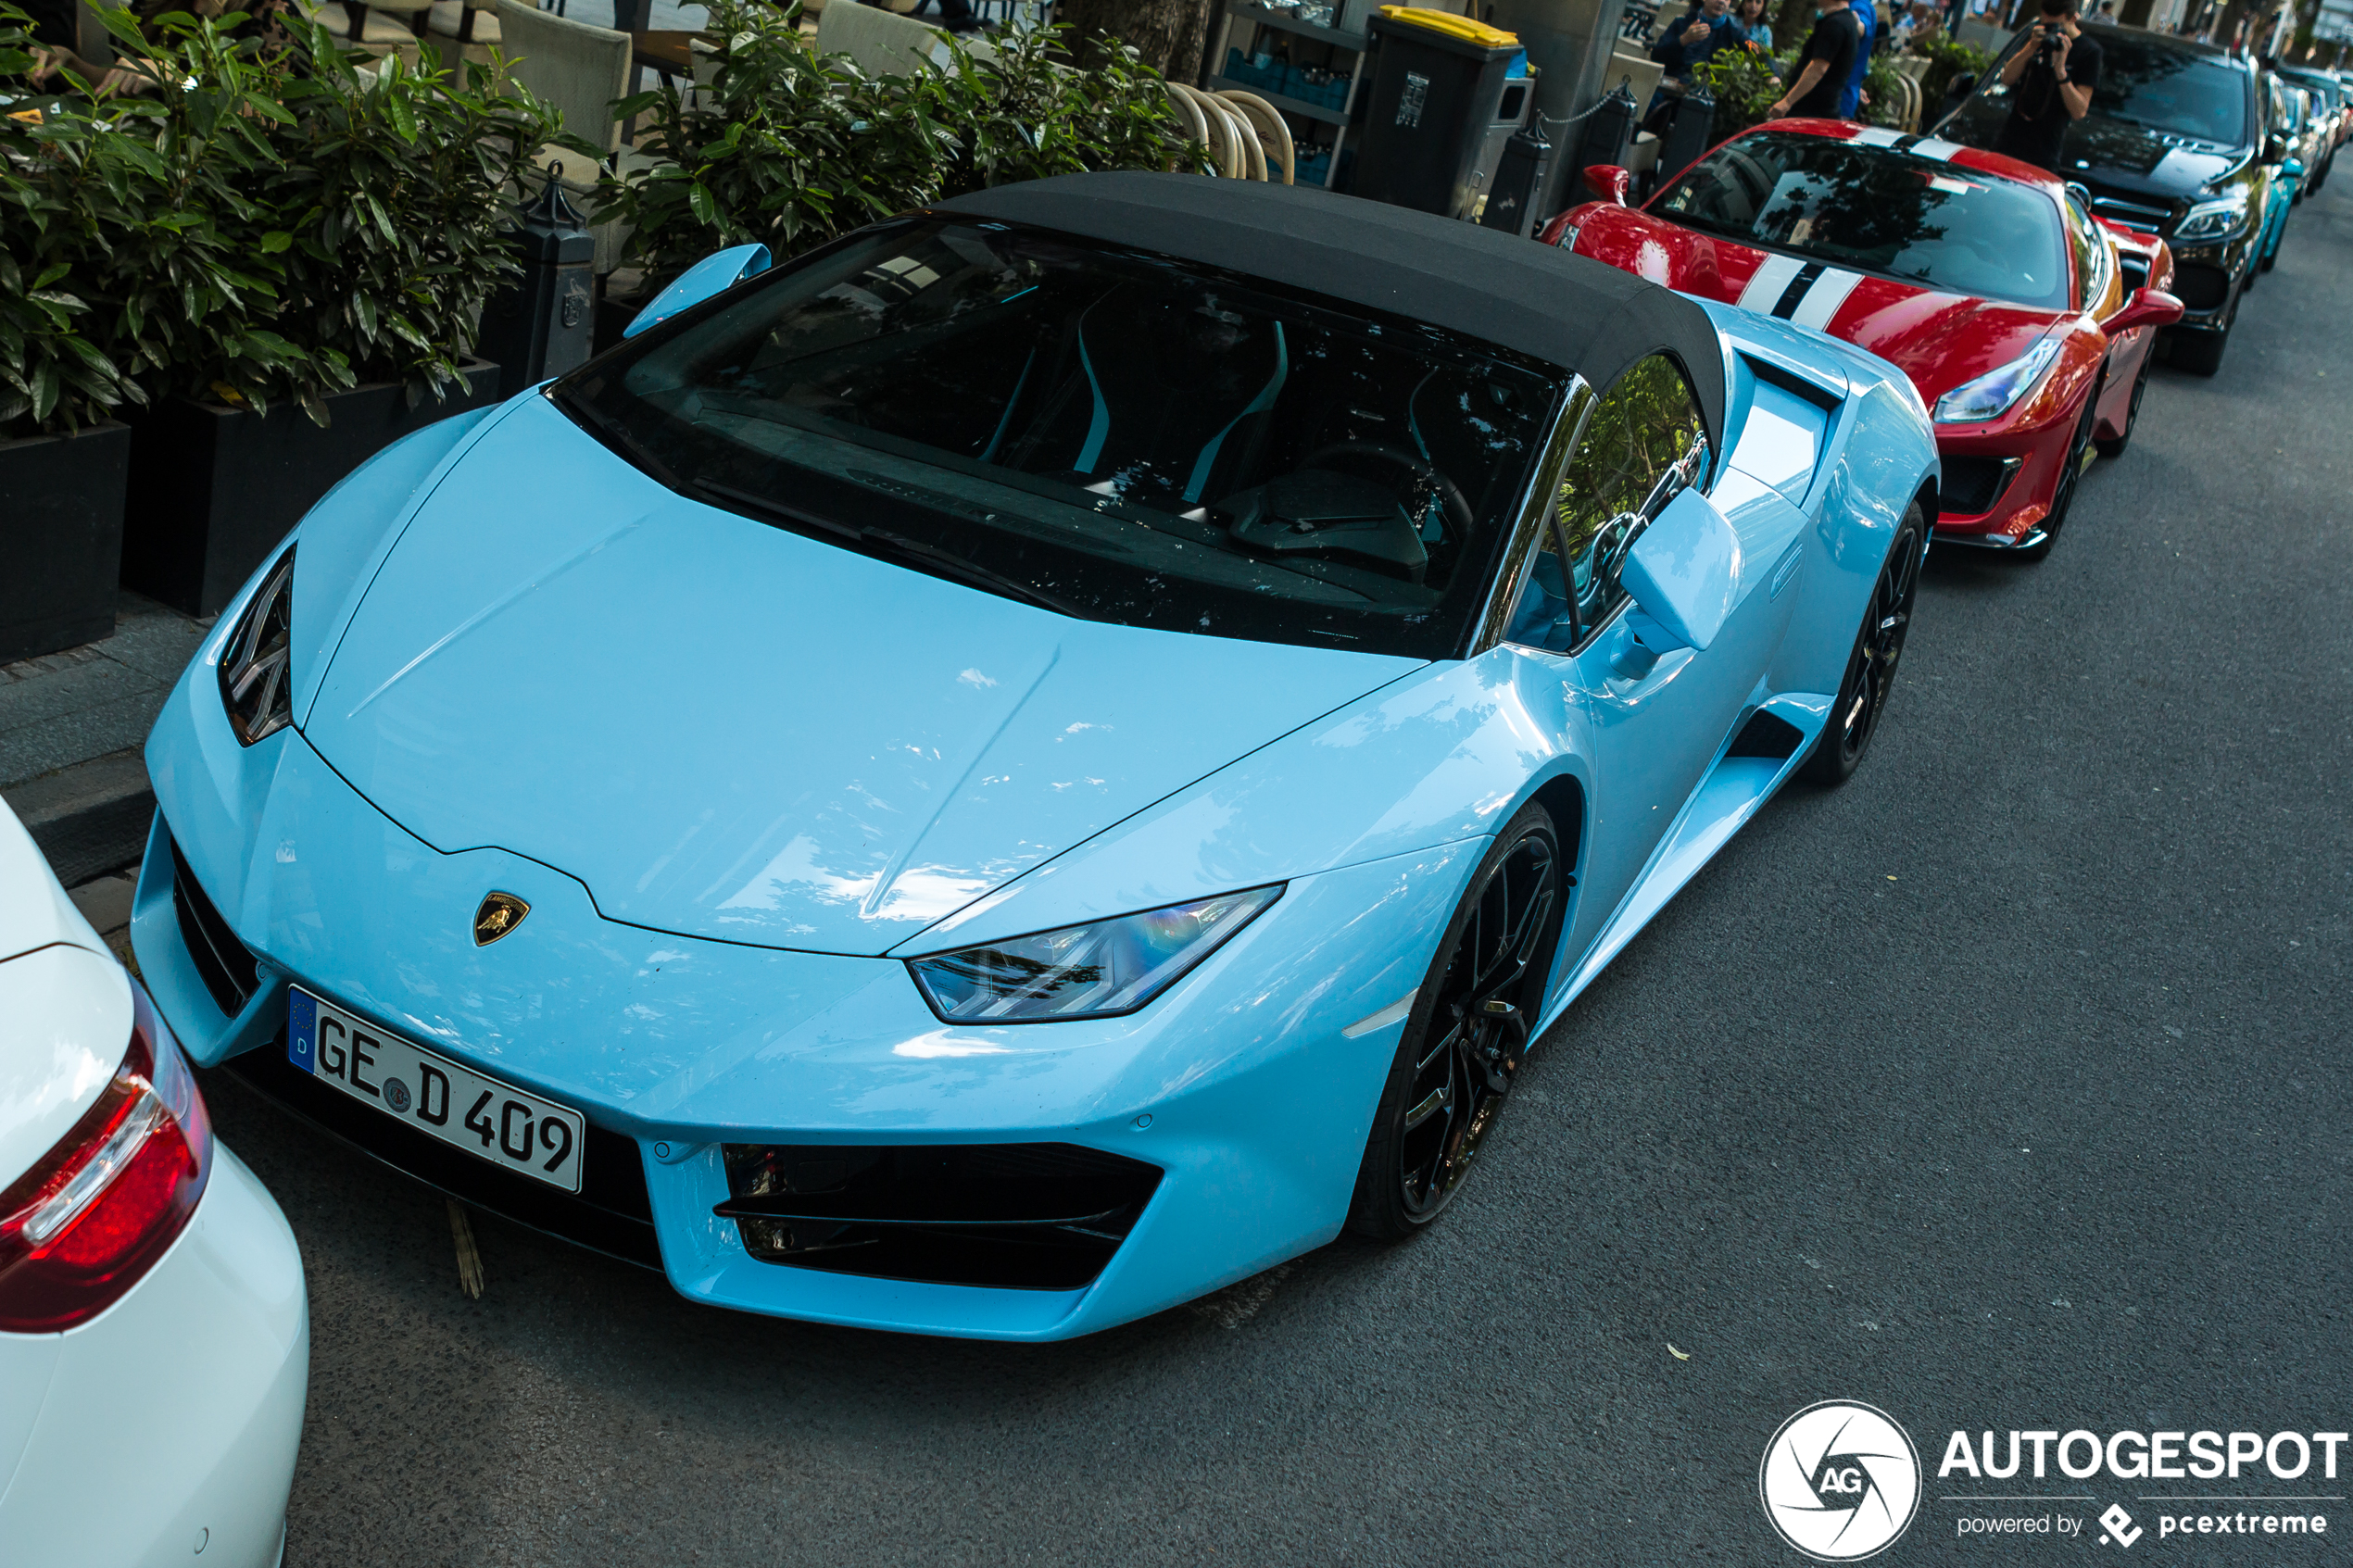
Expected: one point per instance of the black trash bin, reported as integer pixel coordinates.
(1432, 99)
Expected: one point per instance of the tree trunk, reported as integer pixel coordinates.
(1169, 33)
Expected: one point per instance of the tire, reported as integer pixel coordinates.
(2070, 481)
(1870, 668)
(2115, 447)
(2200, 353)
(1468, 1033)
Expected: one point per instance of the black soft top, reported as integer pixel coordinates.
(1540, 300)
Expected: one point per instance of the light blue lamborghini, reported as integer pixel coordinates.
(1030, 763)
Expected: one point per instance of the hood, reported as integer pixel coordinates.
(1939, 340)
(2114, 154)
(726, 729)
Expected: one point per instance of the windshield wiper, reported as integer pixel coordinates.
(939, 563)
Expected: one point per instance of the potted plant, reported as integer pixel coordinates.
(63, 458)
(790, 150)
(355, 223)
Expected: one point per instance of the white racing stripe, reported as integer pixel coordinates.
(1772, 280)
(1932, 148)
(1876, 136)
(1821, 301)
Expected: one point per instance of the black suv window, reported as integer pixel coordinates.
(1642, 444)
(2160, 89)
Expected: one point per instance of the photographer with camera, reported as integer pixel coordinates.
(2051, 82)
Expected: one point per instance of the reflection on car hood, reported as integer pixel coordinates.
(2114, 153)
(726, 729)
(1938, 339)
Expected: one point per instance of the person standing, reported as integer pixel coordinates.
(2051, 82)
(1690, 43)
(1849, 95)
(1824, 65)
(1755, 25)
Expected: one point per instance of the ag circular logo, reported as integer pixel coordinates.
(1840, 1481)
(396, 1093)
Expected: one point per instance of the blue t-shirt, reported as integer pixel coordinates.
(1670, 51)
(1850, 97)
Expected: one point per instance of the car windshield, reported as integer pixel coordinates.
(1879, 210)
(1111, 435)
(2161, 89)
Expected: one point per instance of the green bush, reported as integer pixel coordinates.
(789, 149)
(1744, 88)
(276, 230)
(1948, 57)
(1884, 99)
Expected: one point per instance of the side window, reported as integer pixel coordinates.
(1643, 442)
(2090, 253)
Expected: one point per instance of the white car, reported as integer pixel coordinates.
(154, 1336)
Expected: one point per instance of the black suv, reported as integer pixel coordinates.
(2175, 145)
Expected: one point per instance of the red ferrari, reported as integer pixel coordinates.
(2026, 323)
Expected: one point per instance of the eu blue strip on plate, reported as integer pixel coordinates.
(302, 1030)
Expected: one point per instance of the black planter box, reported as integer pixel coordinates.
(214, 489)
(60, 538)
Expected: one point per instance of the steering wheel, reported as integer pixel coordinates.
(1450, 494)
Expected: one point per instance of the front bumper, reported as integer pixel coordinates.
(167, 1425)
(1239, 1084)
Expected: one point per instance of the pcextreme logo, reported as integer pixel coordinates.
(1840, 1481)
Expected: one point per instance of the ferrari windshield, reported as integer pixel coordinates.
(2149, 85)
(1879, 210)
(1114, 435)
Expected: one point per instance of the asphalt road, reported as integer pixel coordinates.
(2005, 1088)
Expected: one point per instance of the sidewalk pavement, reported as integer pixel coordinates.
(72, 727)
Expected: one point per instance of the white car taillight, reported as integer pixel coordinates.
(79, 1229)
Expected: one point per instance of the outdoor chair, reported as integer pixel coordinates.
(581, 70)
(378, 27)
(884, 43)
(464, 30)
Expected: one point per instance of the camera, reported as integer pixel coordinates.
(2048, 49)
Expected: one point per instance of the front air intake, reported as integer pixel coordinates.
(1033, 1216)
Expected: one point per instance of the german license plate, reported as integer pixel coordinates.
(446, 1100)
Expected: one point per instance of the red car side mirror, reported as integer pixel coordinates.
(2148, 307)
(1609, 181)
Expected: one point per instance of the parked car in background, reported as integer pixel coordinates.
(155, 1338)
(1144, 697)
(2175, 146)
(2333, 109)
(2287, 133)
(2027, 324)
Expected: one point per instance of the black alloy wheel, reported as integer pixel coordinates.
(2071, 476)
(1870, 669)
(1467, 1032)
(2115, 447)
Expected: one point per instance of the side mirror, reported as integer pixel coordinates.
(1685, 569)
(1609, 181)
(2275, 147)
(2148, 307)
(717, 271)
(2292, 169)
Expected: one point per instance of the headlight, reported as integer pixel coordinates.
(1098, 971)
(2216, 219)
(1993, 393)
(257, 684)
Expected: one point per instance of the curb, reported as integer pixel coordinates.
(90, 818)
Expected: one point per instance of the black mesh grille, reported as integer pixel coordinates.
(1040, 1216)
(222, 960)
(613, 1214)
(2200, 288)
(2146, 216)
(1972, 485)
